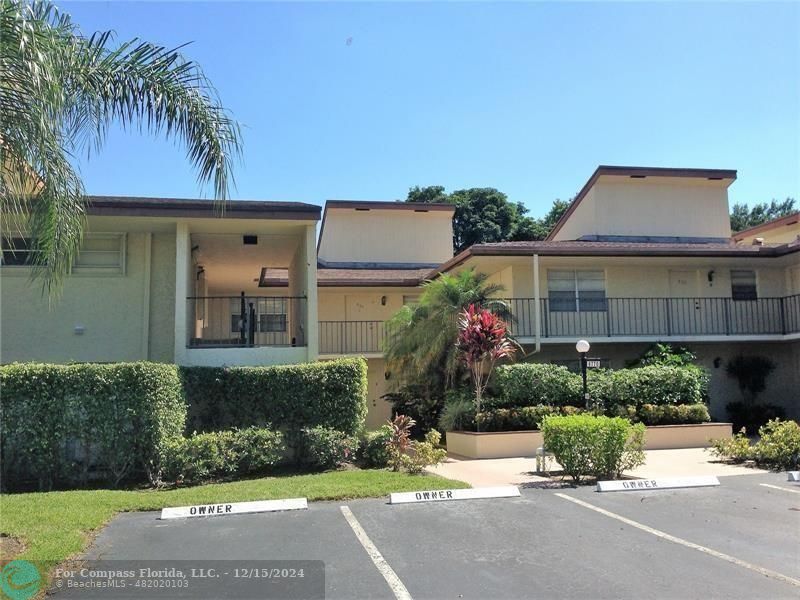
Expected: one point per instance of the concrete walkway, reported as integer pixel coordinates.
(516, 471)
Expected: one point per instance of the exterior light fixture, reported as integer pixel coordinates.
(583, 348)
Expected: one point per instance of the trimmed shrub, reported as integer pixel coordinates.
(320, 448)
(673, 414)
(779, 446)
(214, 455)
(330, 394)
(752, 417)
(528, 384)
(600, 446)
(653, 384)
(69, 424)
(522, 418)
(374, 452)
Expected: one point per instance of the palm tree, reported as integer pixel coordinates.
(60, 92)
(421, 345)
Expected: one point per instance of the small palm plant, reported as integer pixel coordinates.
(482, 341)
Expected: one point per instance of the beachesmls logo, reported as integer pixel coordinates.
(20, 580)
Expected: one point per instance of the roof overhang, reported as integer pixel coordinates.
(189, 208)
(629, 250)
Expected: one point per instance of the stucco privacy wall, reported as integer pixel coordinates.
(782, 384)
(401, 236)
(650, 207)
(110, 308)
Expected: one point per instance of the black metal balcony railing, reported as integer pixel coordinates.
(245, 321)
(351, 337)
(648, 317)
(622, 317)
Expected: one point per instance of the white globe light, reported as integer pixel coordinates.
(582, 346)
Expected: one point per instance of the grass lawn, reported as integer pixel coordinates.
(55, 526)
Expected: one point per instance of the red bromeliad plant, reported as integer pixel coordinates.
(482, 340)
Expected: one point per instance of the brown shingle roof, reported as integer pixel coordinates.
(585, 248)
(350, 277)
(185, 207)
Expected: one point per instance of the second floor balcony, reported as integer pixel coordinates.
(613, 318)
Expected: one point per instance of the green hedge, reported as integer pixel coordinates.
(208, 456)
(530, 417)
(653, 384)
(520, 418)
(71, 424)
(328, 394)
(603, 447)
(531, 384)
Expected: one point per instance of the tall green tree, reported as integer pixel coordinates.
(744, 217)
(59, 93)
(486, 215)
(422, 344)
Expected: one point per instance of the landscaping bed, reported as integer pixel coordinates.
(510, 444)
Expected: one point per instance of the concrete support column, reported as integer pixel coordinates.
(537, 308)
(183, 263)
(312, 322)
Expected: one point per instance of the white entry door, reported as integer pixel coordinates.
(685, 306)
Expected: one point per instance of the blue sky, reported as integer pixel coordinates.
(527, 98)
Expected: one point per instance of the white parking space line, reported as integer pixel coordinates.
(777, 487)
(671, 538)
(398, 589)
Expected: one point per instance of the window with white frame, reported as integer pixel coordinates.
(576, 291)
(101, 253)
(743, 285)
(272, 315)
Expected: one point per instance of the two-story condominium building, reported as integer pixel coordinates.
(642, 255)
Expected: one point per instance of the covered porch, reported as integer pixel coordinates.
(224, 314)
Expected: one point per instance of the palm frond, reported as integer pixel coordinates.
(59, 94)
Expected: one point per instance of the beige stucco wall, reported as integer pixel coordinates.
(653, 206)
(361, 304)
(641, 278)
(162, 298)
(111, 308)
(400, 236)
(779, 235)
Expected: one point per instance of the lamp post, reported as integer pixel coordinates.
(583, 348)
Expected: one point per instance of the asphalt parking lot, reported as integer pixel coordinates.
(738, 540)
